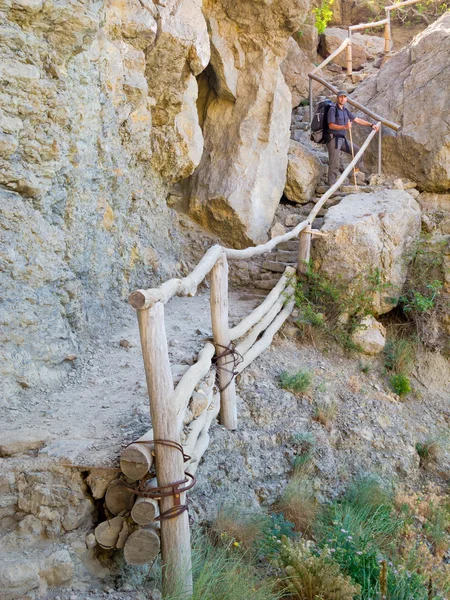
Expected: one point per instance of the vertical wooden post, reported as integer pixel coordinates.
(175, 534)
(221, 337)
(304, 251)
(310, 100)
(387, 33)
(349, 54)
(379, 149)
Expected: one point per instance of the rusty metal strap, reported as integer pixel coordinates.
(237, 358)
(174, 489)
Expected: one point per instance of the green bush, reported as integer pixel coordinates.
(400, 384)
(313, 576)
(323, 15)
(399, 354)
(277, 528)
(299, 382)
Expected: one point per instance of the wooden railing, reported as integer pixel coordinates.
(169, 406)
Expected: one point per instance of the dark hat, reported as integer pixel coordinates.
(342, 93)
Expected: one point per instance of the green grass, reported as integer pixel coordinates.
(400, 384)
(298, 383)
(225, 573)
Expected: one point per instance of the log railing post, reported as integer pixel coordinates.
(310, 101)
(221, 337)
(387, 33)
(175, 534)
(304, 251)
(349, 54)
(380, 145)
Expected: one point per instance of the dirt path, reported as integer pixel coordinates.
(104, 403)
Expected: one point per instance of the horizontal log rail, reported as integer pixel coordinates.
(361, 107)
(400, 5)
(367, 25)
(329, 58)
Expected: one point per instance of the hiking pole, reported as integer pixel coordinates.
(353, 158)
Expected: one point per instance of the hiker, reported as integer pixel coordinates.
(339, 120)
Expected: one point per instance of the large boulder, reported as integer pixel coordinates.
(295, 69)
(245, 109)
(370, 237)
(303, 173)
(364, 47)
(413, 89)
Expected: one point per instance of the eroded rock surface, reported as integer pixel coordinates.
(413, 90)
(370, 235)
(303, 173)
(295, 69)
(245, 107)
(97, 117)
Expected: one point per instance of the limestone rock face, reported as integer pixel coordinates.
(303, 173)
(295, 69)
(244, 106)
(413, 89)
(370, 336)
(370, 234)
(307, 39)
(364, 47)
(97, 117)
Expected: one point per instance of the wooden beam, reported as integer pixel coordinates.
(367, 25)
(304, 251)
(187, 286)
(222, 340)
(175, 534)
(254, 317)
(399, 5)
(329, 58)
(263, 248)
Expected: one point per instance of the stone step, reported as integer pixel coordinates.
(271, 265)
(266, 284)
(286, 257)
(291, 246)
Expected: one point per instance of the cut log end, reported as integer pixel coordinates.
(142, 547)
(108, 532)
(119, 497)
(136, 299)
(144, 511)
(135, 461)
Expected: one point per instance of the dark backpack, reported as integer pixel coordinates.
(319, 122)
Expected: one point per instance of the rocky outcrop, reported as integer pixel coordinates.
(295, 69)
(370, 336)
(413, 89)
(307, 39)
(364, 47)
(97, 117)
(303, 173)
(369, 244)
(245, 107)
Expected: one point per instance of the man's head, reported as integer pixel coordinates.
(342, 97)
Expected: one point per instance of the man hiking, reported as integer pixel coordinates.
(339, 120)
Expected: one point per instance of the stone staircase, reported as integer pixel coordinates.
(286, 253)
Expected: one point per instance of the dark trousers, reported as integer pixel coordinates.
(335, 147)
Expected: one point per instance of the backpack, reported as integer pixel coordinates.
(319, 122)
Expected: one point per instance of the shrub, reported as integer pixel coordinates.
(324, 412)
(399, 355)
(305, 444)
(223, 574)
(236, 523)
(298, 504)
(323, 15)
(276, 528)
(298, 383)
(400, 384)
(312, 576)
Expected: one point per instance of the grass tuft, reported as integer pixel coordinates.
(299, 383)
